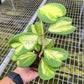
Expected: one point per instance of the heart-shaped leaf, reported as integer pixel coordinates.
(45, 71)
(49, 42)
(18, 51)
(26, 59)
(38, 47)
(24, 40)
(54, 56)
(64, 52)
(64, 21)
(50, 12)
(62, 26)
(37, 30)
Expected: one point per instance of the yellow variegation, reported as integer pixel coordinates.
(54, 56)
(62, 26)
(49, 42)
(32, 40)
(38, 47)
(45, 71)
(37, 30)
(26, 59)
(50, 12)
(24, 40)
(14, 57)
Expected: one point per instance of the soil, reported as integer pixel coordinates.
(36, 63)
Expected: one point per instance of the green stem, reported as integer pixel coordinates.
(43, 42)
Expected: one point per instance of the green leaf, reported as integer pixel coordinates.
(31, 28)
(64, 21)
(18, 51)
(40, 40)
(38, 47)
(26, 59)
(50, 12)
(49, 42)
(24, 40)
(45, 71)
(62, 26)
(64, 52)
(63, 30)
(54, 56)
(54, 68)
(37, 30)
(13, 57)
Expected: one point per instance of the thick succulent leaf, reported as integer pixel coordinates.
(40, 40)
(27, 40)
(50, 12)
(31, 28)
(26, 59)
(49, 42)
(62, 30)
(38, 47)
(62, 26)
(38, 28)
(13, 57)
(63, 21)
(45, 71)
(64, 52)
(18, 51)
(39, 31)
(14, 43)
(54, 68)
(53, 58)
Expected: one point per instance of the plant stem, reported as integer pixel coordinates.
(43, 42)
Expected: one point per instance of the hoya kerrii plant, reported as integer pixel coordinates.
(34, 41)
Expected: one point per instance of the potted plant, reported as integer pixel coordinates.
(33, 44)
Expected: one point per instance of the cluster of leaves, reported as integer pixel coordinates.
(24, 43)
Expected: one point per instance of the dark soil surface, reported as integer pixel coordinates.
(36, 63)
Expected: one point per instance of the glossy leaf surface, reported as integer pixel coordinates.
(54, 56)
(37, 30)
(45, 71)
(62, 26)
(26, 59)
(50, 12)
(24, 40)
(38, 47)
(49, 42)
(13, 57)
